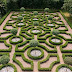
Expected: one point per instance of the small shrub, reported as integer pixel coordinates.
(46, 9)
(4, 59)
(14, 31)
(20, 18)
(22, 9)
(36, 23)
(50, 17)
(68, 60)
(34, 43)
(55, 32)
(35, 13)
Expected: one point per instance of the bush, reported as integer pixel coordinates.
(22, 9)
(46, 9)
(34, 43)
(68, 60)
(14, 31)
(20, 18)
(35, 13)
(50, 17)
(55, 32)
(4, 59)
(36, 23)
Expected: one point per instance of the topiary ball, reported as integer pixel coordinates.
(20, 18)
(4, 59)
(36, 23)
(35, 13)
(14, 31)
(34, 43)
(55, 32)
(22, 9)
(46, 9)
(50, 17)
(68, 60)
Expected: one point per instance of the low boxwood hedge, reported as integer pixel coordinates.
(21, 39)
(32, 57)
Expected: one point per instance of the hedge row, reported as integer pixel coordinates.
(45, 60)
(25, 59)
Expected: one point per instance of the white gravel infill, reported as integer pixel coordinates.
(55, 40)
(36, 53)
(50, 24)
(7, 69)
(23, 14)
(35, 31)
(20, 24)
(35, 19)
(63, 69)
(59, 22)
(15, 39)
(47, 15)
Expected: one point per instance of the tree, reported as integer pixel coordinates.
(34, 43)
(20, 18)
(4, 60)
(67, 5)
(22, 9)
(35, 13)
(14, 31)
(55, 32)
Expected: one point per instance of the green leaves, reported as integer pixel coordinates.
(34, 43)
(55, 32)
(4, 59)
(14, 31)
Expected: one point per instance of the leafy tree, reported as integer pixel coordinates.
(14, 31)
(20, 18)
(67, 5)
(35, 13)
(34, 43)
(4, 60)
(55, 32)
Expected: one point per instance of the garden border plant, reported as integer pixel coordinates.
(32, 57)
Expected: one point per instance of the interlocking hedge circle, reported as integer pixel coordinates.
(54, 43)
(32, 57)
(21, 39)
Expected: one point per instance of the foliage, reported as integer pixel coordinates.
(4, 59)
(34, 43)
(35, 13)
(36, 23)
(50, 17)
(22, 9)
(46, 9)
(55, 32)
(68, 60)
(20, 18)
(70, 11)
(14, 31)
(67, 4)
(37, 4)
(2, 8)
